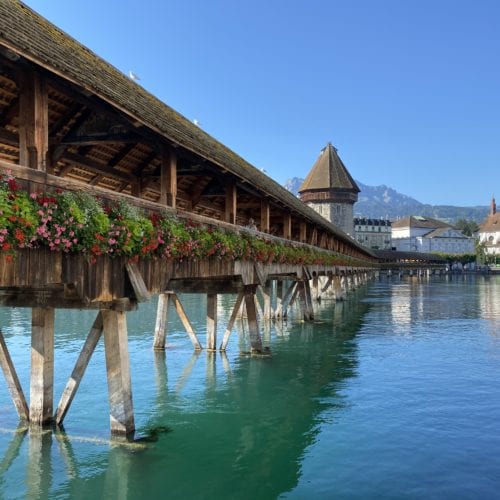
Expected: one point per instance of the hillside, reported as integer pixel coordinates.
(384, 202)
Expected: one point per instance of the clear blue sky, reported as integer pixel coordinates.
(407, 90)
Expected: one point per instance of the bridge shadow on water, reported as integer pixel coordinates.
(214, 426)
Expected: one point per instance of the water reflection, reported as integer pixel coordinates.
(239, 424)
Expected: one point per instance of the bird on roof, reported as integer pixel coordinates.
(197, 122)
(133, 76)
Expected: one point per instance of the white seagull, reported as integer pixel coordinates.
(133, 76)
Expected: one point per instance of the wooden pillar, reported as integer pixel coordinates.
(168, 178)
(231, 203)
(42, 365)
(287, 226)
(315, 289)
(186, 323)
(279, 298)
(264, 216)
(12, 380)
(121, 411)
(161, 322)
(136, 188)
(266, 293)
(79, 369)
(253, 324)
(303, 232)
(33, 120)
(308, 297)
(232, 319)
(211, 321)
(314, 237)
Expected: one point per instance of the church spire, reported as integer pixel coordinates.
(493, 206)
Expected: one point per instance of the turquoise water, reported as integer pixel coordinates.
(394, 393)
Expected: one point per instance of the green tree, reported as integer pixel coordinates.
(468, 227)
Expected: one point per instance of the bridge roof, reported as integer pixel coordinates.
(28, 34)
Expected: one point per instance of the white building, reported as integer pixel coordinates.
(489, 231)
(423, 234)
(373, 233)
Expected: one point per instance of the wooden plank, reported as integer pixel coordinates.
(161, 322)
(253, 324)
(79, 369)
(121, 411)
(13, 384)
(211, 322)
(33, 120)
(140, 290)
(265, 214)
(287, 226)
(231, 206)
(168, 178)
(185, 321)
(42, 365)
(303, 231)
(232, 319)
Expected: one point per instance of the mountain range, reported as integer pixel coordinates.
(383, 202)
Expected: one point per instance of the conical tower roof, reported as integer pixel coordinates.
(328, 173)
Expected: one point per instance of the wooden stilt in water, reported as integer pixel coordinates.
(232, 319)
(308, 298)
(279, 298)
(258, 308)
(185, 321)
(211, 322)
(118, 372)
(327, 285)
(281, 310)
(161, 321)
(42, 366)
(266, 293)
(316, 293)
(253, 324)
(79, 369)
(12, 380)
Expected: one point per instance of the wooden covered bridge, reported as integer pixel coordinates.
(71, 122)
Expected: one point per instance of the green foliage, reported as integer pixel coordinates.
(79, 222)
(468, 227)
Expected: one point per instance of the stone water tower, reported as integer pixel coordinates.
(330, 190)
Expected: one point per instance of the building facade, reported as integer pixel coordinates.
(330, 190)
(373, 233)
(423, 234)
(489, 231)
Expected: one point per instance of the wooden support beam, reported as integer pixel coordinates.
(253, 324)
(281, 309)
(211, 322)
(79, 369)
(12, 380)
(265, 214)
(121, 411)
(327, 284)
(161, 322)
(287, 226)
(266, 294)
(303, 232)
(313, 240)
(308, 299)
(232, 319)
(231, 204)
(33, 120)
(141, 291)
(185, 321)
(42, 365)
(168, 178)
